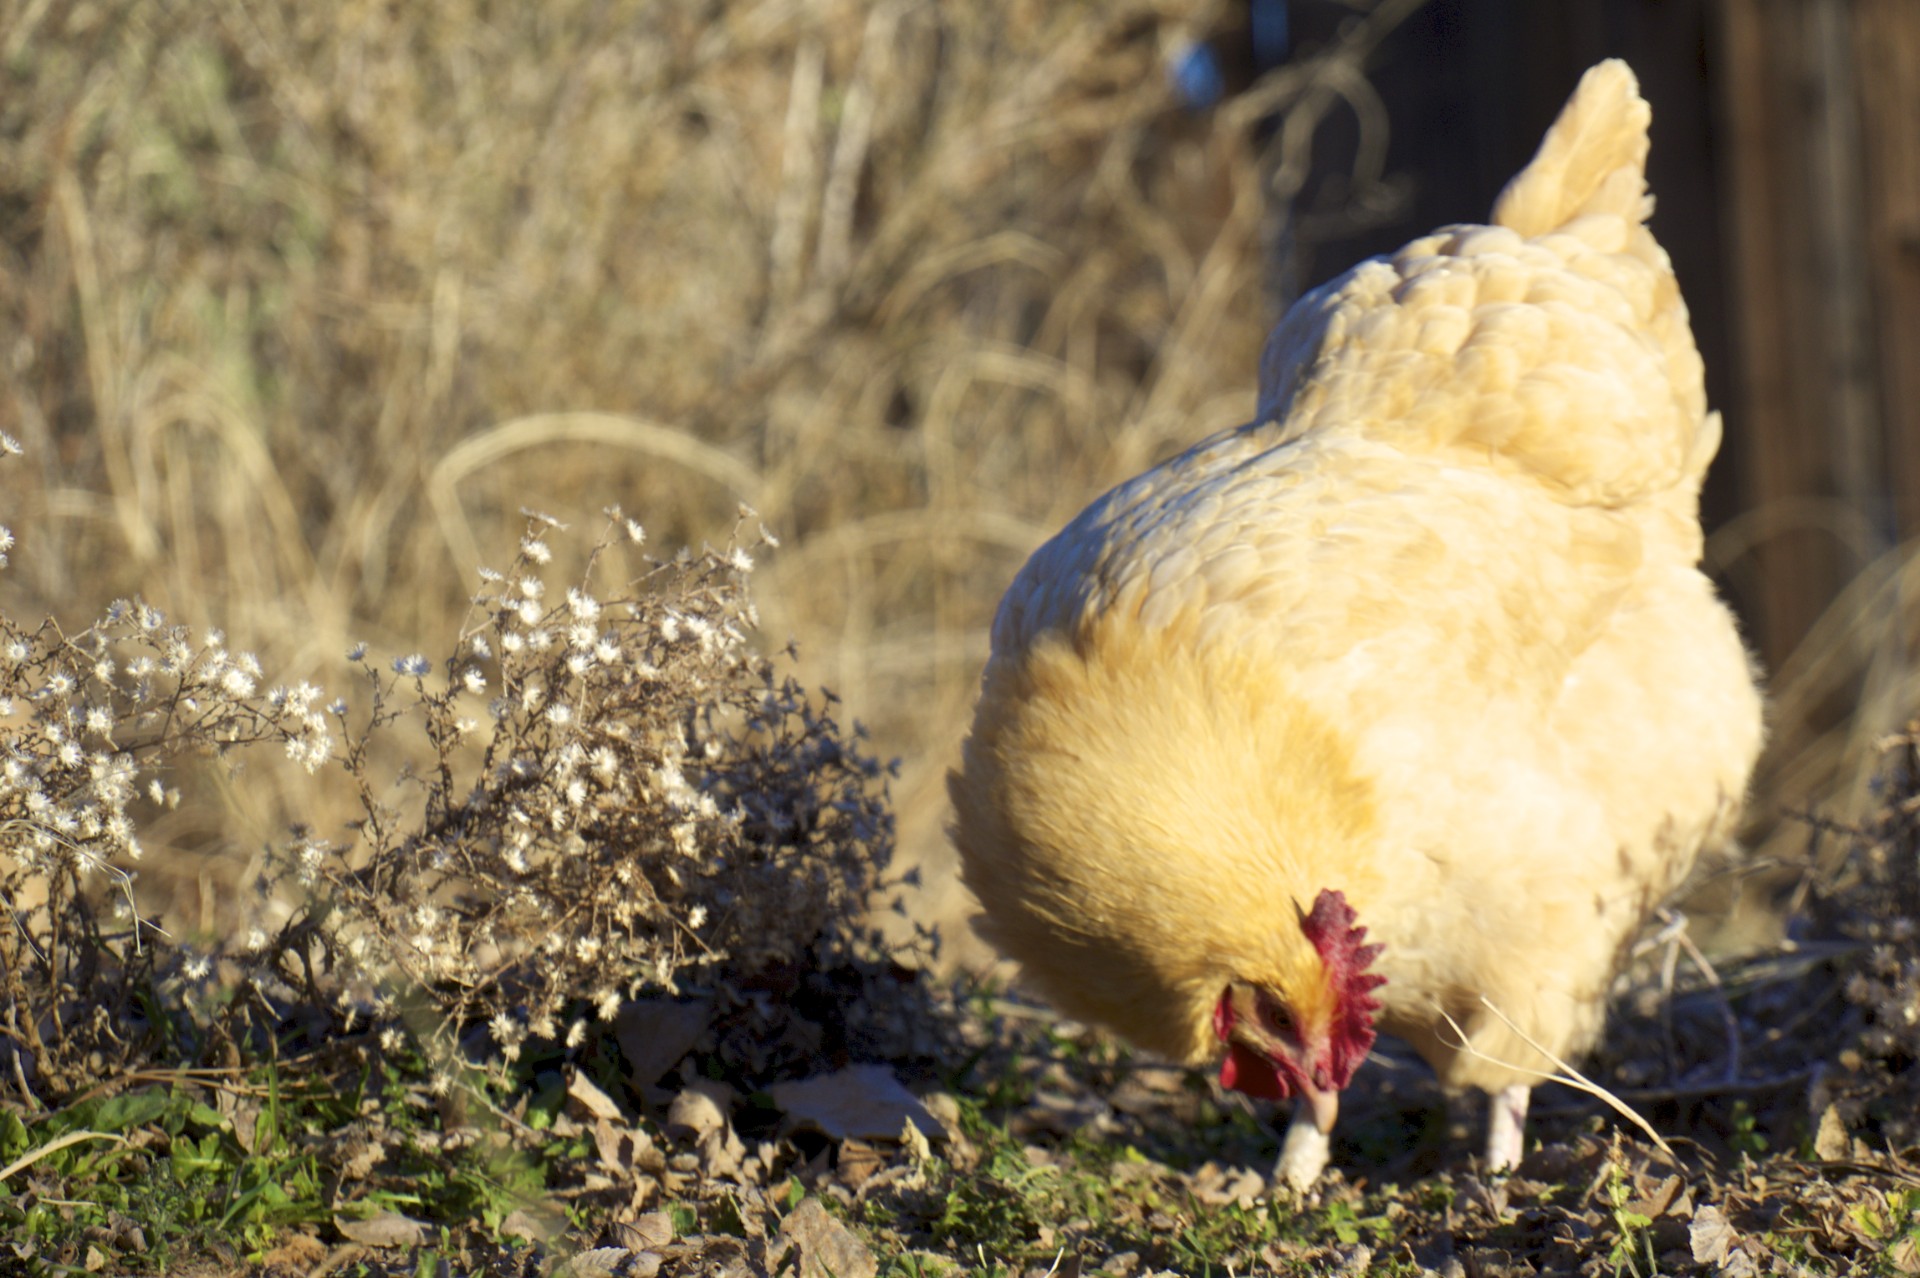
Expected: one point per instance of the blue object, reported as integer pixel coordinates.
(1267, 23)
(1196, 74)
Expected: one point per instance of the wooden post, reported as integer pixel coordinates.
(1887, 55)
(1820, 112)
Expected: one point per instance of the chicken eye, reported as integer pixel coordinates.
(1275, 1016)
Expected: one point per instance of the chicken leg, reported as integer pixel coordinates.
(1303, 1155)
(1507, 1126)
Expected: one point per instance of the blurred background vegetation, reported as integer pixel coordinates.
(301, 305)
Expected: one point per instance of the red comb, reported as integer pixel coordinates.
(1343, 949)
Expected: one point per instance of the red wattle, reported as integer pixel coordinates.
(1252, 1074)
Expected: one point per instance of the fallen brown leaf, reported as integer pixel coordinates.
(861, 1102)
(826, 1248)
(590, 1098)
(656, 1034)
(383, 1229)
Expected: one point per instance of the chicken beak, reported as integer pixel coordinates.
(1323, 1105)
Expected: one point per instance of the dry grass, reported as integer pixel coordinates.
(305, 304)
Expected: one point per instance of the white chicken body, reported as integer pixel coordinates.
(1457, 554)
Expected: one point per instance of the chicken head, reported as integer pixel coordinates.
(1304, 1035)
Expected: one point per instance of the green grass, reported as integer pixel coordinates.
(164, 1159)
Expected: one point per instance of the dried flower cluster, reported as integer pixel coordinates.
(617, 794)
(90, 725)
(622, 791)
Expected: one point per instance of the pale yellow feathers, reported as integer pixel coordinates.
(1593, 160)
(1552, 345)
(1430, 631)
(1132, 812)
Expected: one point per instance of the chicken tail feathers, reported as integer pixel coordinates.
(1593, 160)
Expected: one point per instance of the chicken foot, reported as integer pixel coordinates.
(1507, 1126)
(1303, 1155)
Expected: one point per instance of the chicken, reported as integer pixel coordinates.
(1399, 709)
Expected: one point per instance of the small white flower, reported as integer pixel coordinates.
(310, 855)
(740, 560)
(413, 665)
(535, 550)
(479, 647)
(474, 680)
(582, 605)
